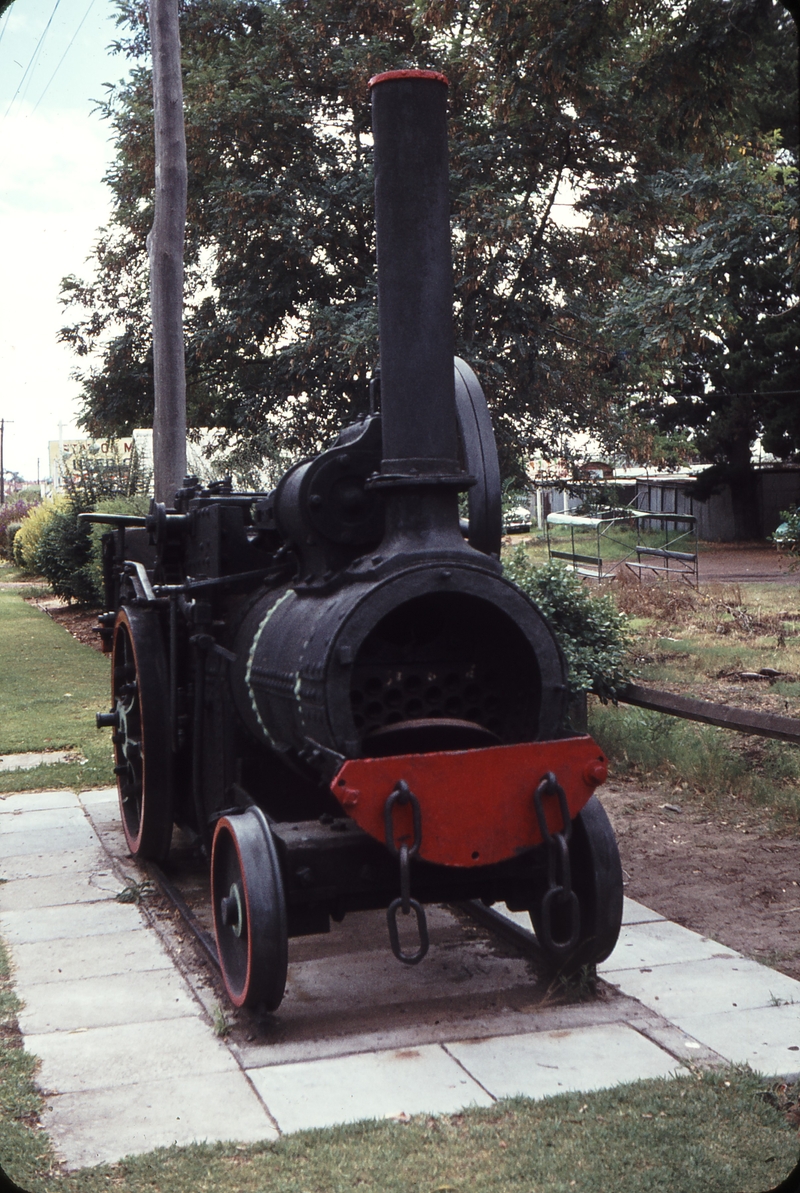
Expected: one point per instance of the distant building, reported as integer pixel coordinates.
(777, 487)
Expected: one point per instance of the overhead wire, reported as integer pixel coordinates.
(33, 57)
(63, 56)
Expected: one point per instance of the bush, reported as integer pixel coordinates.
(11, 515)
(26, 540)
(113, 505)
(64, 556)
(31, 495)
(591, 631)
(787, 535)
(69, 552)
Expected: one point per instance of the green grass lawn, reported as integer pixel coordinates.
(698, 644)
(695, 1136)
(50, 688)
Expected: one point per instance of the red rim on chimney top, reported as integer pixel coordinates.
(389, 75)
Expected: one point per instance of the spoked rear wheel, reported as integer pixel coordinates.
(249, 907)
(142, 746)
(597, 882)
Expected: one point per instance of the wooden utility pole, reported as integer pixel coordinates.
(3, 422)
(165, 248)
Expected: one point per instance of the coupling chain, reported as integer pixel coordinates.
(401, 796)
(559, 895)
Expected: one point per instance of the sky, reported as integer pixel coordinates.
(54, 152)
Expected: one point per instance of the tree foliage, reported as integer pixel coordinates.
(631, 113)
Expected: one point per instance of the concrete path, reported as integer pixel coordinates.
(130, 1059)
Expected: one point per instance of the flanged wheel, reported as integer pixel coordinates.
(597, 882)
(142, 745)
(479, 452)
(249, 910)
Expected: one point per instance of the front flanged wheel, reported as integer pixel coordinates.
(597, 882)
(249, 908)
(142, 745)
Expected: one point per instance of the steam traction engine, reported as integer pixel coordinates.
(332, 685)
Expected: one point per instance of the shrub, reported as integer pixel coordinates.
(591, 631)
(69, 552)
(32, 495)
(11, 515)
(26, 540)
(64, 556)
(113, 505)
(787, 535)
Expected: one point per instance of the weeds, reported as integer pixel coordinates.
(222, 1024)
(700, 760)
(134, 892)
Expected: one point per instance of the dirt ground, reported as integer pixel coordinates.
(736, 881)
(730, 563)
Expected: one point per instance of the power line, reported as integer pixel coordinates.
(63, 56)
(34, 55)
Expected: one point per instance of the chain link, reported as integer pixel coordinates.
(559, 896)
(401, 796)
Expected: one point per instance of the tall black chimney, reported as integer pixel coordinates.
(415, 277)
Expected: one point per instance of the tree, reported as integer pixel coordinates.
(548, 100)
(706, 319)
(737, 381)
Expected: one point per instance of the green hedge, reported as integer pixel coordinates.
(69, 552)
(592, 632)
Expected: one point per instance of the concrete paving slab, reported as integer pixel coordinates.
(113, 839)
(78, 835)
(27, 761)
(521, 918)
(675, 1041)
(42, 821)
(89, 957)
(402, 1031)
(37, 801)
(83, 860)
(56, 890)
(64, 1005)
(768, 1038)
(637, 913)
(99, 796)
(632, 913)
(136, 1064)
(661, 943)
(709, 986)
(74, 920)
(543, 1063)
(108, 1057)
(99, 1126)
(374, 1085)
